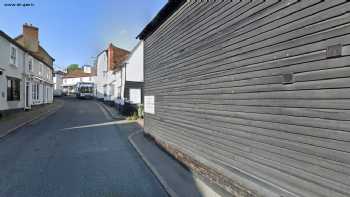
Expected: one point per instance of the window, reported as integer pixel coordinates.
(34, 91)
(149, 104)
(13, 89)
(105, 90)
(40, 68)
(37, 92)
(119, 92)
(30, 64)
(135, 96)
(13, 56)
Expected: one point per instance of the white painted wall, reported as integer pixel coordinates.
(58, 81)
(38, 74)
(134, 66)
(101, 74)
(10, 70)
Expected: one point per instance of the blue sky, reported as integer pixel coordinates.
(75, 31)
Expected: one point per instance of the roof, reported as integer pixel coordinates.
(77, 74)
(119, 56)
(132, 51)
(58, 72)
(12, 41)
(160, 18)
(40, 47)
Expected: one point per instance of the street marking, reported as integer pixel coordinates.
(97, 125)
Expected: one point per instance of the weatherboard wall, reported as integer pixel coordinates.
(258, 91)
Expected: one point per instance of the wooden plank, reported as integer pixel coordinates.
(209, 145)
(216, 71)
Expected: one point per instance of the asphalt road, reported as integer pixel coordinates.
(74, 153)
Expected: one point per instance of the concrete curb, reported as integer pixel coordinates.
(109, 112)
(38, 117)
(165, 185)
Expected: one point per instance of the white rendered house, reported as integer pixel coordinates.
(25, 71)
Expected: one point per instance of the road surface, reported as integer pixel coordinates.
(76, 152)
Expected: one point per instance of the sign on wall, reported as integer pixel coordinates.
(149, 104)
(135, 96)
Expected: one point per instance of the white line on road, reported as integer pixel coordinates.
(97, 125)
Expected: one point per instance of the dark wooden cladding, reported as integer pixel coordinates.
(257, 90)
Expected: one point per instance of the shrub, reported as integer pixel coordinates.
(134, 116)
(140, 110)
(128, 109)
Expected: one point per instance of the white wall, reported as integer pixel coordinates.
(40, 74)
(101, 74)
(134, 66)
(58, 82)
(10, 71)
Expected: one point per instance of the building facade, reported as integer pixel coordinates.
(58, 83)
(132, 77)
(253, 95)
(109, 73)
(26, 71)
(71, 79)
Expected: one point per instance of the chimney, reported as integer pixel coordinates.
(110, 63)
(31, 37)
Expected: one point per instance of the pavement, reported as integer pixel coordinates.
(12, 122)
(79, 151)
(176, 179)
(113, 112)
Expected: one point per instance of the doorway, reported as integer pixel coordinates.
(27, 105)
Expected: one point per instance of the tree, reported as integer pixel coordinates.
(72, 67)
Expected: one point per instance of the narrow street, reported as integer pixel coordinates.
(72, 153)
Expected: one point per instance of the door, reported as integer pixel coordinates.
(44, 94)
(27, 95)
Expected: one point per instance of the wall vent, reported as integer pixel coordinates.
(288, 78)
(334, 51)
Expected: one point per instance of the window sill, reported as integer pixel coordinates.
(13, 65)
(13, 100)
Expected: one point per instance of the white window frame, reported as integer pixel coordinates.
(34, 91)
(16, 55)
(41, 66)
(30, 60)
(149, 106)
(132, 95)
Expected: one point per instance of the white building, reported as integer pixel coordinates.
(132, 77)
(58, 83)
(71, 79)
(25, 71)
(87, 69)
(109, 73)
(122, 81)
